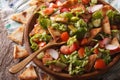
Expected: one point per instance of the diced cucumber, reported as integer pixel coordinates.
(60, 64)
(96, 23)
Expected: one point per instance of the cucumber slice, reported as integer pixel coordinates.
(96, 23)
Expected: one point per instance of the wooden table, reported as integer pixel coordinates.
(6, 59)
(6, 56)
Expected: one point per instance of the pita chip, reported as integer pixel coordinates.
(54, 33)
(35, 2)
(17, 35)
(24, 16)
(29, 74)
(19, 52)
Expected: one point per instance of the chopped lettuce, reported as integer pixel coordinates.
(81, 29)
(114, 17)
(93, 2)
(56, 63)
(97, 18)
(40, 37)
(81, 23)
(88, 51)
(59, 26)
(76, 65)
(74, 18)
(71, 40)
(105, 54)
(34, 45)
(67, 15)
(97, 15)
(44, 22)
(63, 58)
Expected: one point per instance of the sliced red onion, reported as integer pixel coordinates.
(106, 41)
(53, 53)
(111, 47)
(94, 8)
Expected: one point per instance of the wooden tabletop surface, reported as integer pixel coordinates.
(6, 56)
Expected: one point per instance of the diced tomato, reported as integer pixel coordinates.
(84, 41)
(73, 47)
(64, 36)
(100, 64)
(64, 10)
(48, 11)
(65, 50)
(95, 51)
(85, 1)
(81, 52)
(41, 44)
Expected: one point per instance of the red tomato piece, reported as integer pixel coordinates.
(95, 51)
(100, 64)
(81, 52)
(74, 47)
(84, 41)
(48, 11)
(65, 50)
(85, 1)
(64, 36)
(64, 10)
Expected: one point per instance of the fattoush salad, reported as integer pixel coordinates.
(90, 29)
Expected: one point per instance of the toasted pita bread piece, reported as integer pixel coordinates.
(115, 41)
(93, 33)
(69, 3)
(19, 52)
(24, 16)
(37, 29)
(54, 33)
(106, 25)
(17, 35)
(29, 74)
(35, 2)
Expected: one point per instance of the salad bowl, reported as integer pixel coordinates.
(61, 75)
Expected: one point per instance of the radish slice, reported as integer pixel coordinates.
(95, 8)
(53, 53)
(111, 47)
